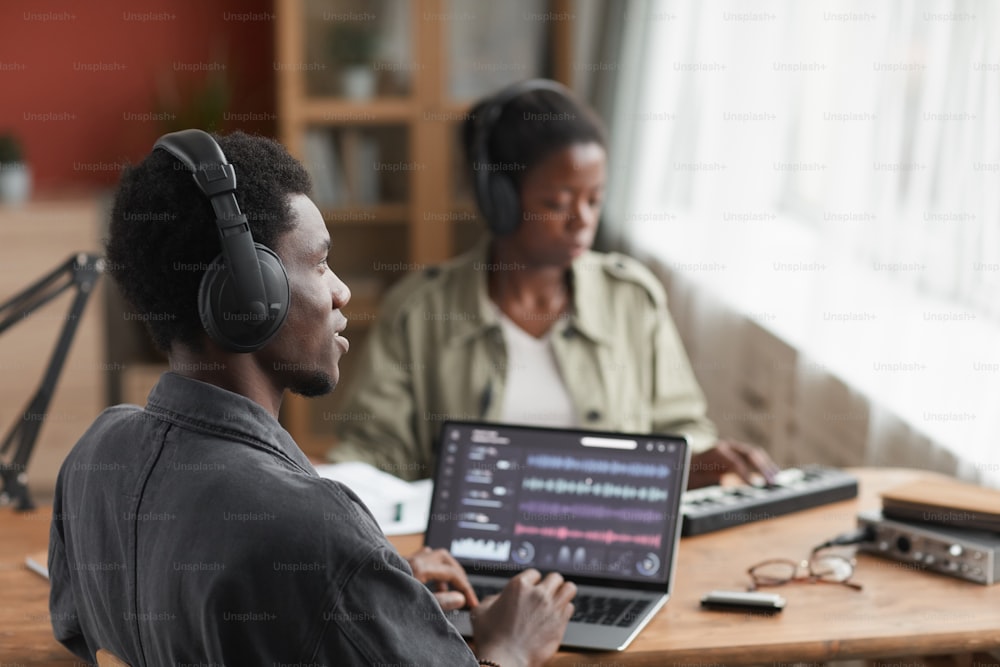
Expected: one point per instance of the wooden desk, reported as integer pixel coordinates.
(899, 612)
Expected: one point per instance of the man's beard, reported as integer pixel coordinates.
(314, 384)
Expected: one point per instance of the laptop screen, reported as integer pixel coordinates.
(586, 504)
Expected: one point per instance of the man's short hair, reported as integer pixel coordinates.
(163, 234)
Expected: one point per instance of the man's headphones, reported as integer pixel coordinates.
(244, 294)
(496, 192)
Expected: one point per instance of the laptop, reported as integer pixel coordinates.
(602, 509)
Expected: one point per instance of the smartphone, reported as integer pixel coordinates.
(763, 603)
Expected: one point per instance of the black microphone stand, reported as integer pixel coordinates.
(81, 271)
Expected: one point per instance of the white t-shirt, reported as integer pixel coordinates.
(534, 392)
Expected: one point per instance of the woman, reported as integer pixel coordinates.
(531, 326)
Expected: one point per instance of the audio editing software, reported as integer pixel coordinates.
(600, 505)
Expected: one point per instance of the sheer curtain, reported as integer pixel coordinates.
(877, 123)
(867, 132)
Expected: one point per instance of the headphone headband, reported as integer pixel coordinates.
(237, 313)
(496, 194)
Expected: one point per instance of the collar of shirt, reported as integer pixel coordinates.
(206, 408)
(475, 316)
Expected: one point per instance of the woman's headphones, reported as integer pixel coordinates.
(496, 192)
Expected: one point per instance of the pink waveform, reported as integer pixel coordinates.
(605, 536)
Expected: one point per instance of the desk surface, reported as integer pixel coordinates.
(899, 613)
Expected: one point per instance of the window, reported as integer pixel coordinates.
(875, 123)
(831, 170)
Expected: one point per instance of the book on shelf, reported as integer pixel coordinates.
(359, 155)
(342, 165)
(325, 170)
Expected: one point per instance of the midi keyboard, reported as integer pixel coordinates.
(713, 508)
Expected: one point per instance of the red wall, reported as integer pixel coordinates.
(80, 80)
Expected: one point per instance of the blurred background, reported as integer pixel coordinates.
(817, 184)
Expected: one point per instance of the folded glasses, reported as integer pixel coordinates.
(820, 568)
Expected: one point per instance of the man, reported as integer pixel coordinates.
(194, 530)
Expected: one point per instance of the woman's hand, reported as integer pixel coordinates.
(745, 460)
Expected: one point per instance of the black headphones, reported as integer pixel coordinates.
(496, 192)
(244, 294)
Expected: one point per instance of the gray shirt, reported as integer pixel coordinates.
(195, 531)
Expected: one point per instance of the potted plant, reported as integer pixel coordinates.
(200, 102)
(15, 176)
(352, 47)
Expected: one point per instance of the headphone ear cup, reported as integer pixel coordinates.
(504, 215)
(219, 304)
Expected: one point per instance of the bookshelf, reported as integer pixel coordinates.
(384, 154)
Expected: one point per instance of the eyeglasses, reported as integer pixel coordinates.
(821, 568)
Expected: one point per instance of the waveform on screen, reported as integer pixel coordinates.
(561, 486)
(602, 536)
(598, 466)
(586, 511)
(468, 547)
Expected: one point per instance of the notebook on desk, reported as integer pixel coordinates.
(602, 509)
(944, 501)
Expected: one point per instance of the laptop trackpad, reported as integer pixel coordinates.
(604, 619)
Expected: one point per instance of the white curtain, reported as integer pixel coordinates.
(876, 123)
(873, 129)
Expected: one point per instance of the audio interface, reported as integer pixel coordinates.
(973, 555)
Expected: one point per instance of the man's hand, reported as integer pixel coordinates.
(730, 456)
(453, 588)
(523, 626)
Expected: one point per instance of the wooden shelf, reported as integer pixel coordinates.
(335, 111)
(457, 110)
(376, 214)
(424, 215)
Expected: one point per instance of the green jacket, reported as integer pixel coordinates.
(436, 352)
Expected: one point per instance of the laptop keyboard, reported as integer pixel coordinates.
(593, 609)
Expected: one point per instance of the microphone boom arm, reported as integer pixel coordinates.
(80, 271)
